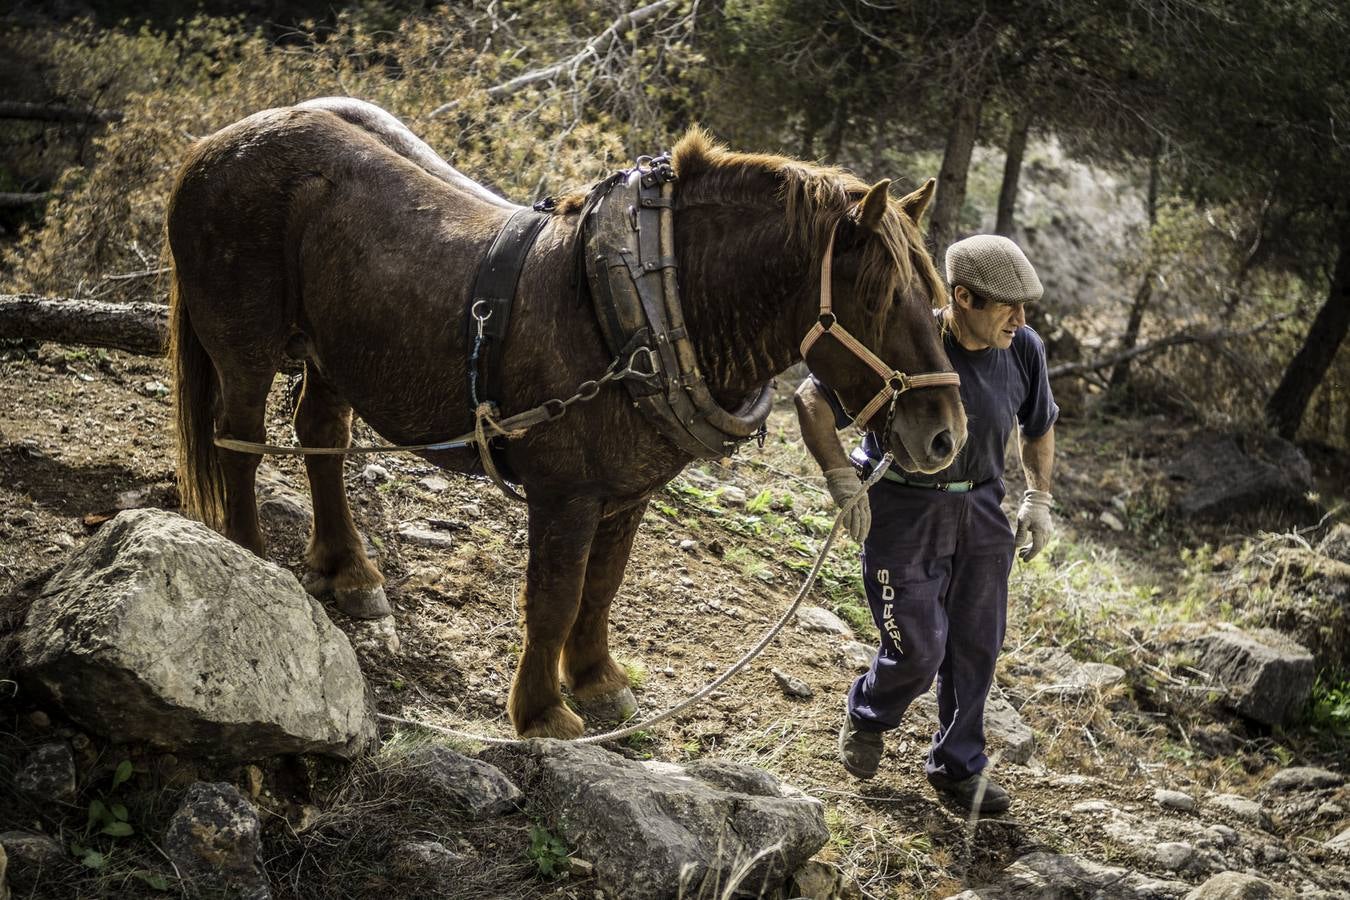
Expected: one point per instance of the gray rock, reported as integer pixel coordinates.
(1054, 875)
(435, 484)
(375, 635)
(1173, 855)
(374, 473)
(688, 545)
(1340, 843)
(737, 778)
(1174, 800)
(254, 667)
(654, 831)
(214, 840)
(1058, 674)
(424, 858)
(792, 686)
(1233, 475)
(856, 656)
(1238, 807)
(1238, 886)
(1111, 520)
(48, 774)
(819, 880)
(471, 786)
(1003, 725)
(1266, 676)
(279, 505)
(733, 496)
(1304, 778)
(1223, 836)
(415, 534)
(814, 618)
(33, 859)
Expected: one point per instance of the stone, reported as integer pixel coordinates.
(48, 774)
(819, 880)
(1238, 886)
(1239, 474)
(1111, 520)
(688, 545)
(33, 859)
(214, 840)
(1304, 778)
(814, 618)
(1265, 676)
(475, 788)
(856, 656)
(435, 484)
(1174, 800)
(375, 635)
(279, 505)
(792, 686)
(1340, 843)
(654, 830)
(1223, 836)
(1057, 674)
(374, 473)
(418, 536)
(1173, 855)
(256, 667)
(737, 778)
(580, 868)
(421, 858)
(1238, 807)
(733, 496)
(1053, 875)
(1006, 730)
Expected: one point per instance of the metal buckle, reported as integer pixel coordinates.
(480, 318)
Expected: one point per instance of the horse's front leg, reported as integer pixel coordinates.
(599, 686)
(561, 531)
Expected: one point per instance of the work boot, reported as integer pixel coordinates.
(977, 793)
(859, 751)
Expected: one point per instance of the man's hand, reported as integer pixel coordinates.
(844, 485)
(1034, 527)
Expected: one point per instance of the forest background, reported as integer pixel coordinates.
(1224, 120)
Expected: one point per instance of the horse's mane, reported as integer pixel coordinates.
(814, 198)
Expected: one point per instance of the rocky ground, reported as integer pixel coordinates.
(1131, 763)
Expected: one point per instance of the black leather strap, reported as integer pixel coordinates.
(493, 294)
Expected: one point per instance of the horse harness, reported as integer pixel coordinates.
(625, 247)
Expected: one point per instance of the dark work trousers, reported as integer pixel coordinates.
(935, 568)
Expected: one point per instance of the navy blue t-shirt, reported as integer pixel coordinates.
(996, 387)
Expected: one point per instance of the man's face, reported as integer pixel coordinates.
(991, 326)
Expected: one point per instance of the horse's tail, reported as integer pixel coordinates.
(196, 392)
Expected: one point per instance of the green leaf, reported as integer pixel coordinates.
(118, 829)
(123, 772)
(119, 812)
(97, 813)
(92, 859)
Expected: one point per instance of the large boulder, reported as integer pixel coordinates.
(1238, 886)
(1308, 598)
(161, 630)
(655, 830)
(1265, 676)
(1222, 476)
(471, 786)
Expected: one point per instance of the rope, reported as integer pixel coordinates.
(711, 686)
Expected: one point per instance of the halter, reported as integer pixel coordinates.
(895, 381)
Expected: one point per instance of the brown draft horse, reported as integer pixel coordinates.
(327, 231)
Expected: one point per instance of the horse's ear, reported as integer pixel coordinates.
(914, 204)
(873, 206)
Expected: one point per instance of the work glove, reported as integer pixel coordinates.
(844, 485)
(1033, 524)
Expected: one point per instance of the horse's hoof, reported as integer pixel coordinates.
(612, 708)
(316, 585)
(556, 721)
(363, 603)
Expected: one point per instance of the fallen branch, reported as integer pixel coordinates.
(1218, 335)
(55, 112)
(593, 50)
(138, 328)
(16, 201)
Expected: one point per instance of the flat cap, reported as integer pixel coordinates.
(994, 268)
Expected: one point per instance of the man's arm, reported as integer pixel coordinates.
(816, 420)
(1038, 460)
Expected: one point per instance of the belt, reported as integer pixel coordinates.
(864, 463)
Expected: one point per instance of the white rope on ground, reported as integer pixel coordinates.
(711, 686)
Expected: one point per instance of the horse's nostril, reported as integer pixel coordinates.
(942, 444)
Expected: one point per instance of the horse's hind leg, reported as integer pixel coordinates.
(243, 411)
(561, 530)
(599, 686)
(336, 557)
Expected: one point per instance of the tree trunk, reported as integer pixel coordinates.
(1284, 409)
(951, 186)
(1120, 375)
(138, 328)
(834, 144)
(50, 112)
(1012, 172)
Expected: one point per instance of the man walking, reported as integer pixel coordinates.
(937, 549)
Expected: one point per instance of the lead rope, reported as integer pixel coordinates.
(717, 682)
